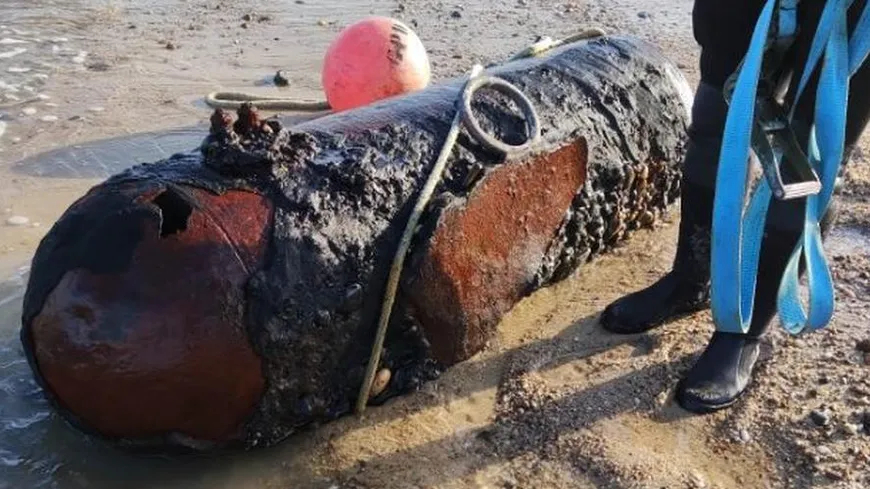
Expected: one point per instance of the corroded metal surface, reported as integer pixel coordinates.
(108, 343)
(285, 306)
(486, 250)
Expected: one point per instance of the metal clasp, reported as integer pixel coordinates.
(786, 166)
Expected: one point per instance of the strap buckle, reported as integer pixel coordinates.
(786, 166)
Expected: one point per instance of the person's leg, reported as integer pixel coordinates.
(723, 30)
(724, 369)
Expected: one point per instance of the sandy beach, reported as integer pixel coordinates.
(554, 402)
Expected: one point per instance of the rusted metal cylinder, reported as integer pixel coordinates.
(230, 295)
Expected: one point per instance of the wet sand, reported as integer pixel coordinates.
(554, 402)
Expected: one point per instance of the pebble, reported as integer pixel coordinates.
(49, 118)
(18, 69)
(281, 79)
(43, 97)
(863, 346)
(80, 58)
(380, 383)
(353, 297)
(28, 110)
(824, 451)
(643, 14)
(17, 221)
(820, 418)
(697, 481)
(851, 429)
(96, 109)
(456, 14)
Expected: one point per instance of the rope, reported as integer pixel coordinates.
(547, 44)
(464, 116)
(234, 100)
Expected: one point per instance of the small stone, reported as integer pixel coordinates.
(820, 418)
(49, 118)
(850, 429)
(456, 14)
(643, 14)
(835, 474)
(743, 435)
(171, 46)
(696, 480)
(824, 451)
(244, 25)
(99, 66)
(247, 17)
(322, 23)
(96, 109)
(17, 221)
(18, 69)
(353, 297)
(281, 79)
(863, 346)
(43, 97)
(380, 383)
(28, 111)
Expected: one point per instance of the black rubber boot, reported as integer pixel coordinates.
(724, 370)
(686, 288)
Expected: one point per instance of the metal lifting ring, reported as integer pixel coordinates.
(502, 86)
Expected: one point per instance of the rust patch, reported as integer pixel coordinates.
(483, 255)
(162, 347)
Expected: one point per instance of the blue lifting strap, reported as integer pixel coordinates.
(753, 121)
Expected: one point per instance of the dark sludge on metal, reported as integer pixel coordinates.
(229, 297)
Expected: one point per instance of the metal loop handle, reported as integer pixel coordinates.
(530, 115)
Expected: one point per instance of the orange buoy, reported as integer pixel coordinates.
(373, 59)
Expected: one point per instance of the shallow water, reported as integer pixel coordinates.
(39, 41)
(39, 450)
